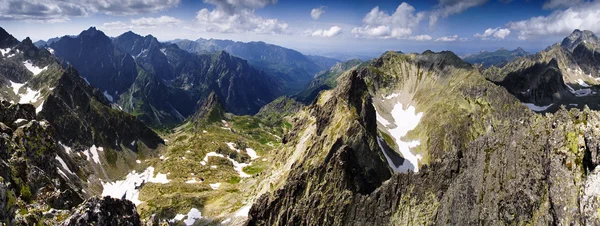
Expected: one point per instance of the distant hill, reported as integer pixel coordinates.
(497, 58)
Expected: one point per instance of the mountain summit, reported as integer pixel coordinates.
(578, 37)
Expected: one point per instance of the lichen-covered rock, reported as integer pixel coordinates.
(491, 161)
(104, 211)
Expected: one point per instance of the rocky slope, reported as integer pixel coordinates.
(34, 176)
(563, 74)
(476, 140)
(63, 142)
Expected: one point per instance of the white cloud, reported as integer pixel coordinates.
(331, 32)
(561, 22)
(554, 4)
(230, 6)
(499, 33)
(447, 38)
(51, 10)
(237, 16)
(163, 21)
(379, 24)
(450, 7)
(117, 25)
(317, 12)
(144, 22)
(420, 38)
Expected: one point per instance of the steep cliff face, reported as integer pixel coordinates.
(34, 175)
(484, 157)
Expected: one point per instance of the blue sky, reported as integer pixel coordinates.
(361, 26)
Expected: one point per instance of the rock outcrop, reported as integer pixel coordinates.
(490, 160)
(104, 211)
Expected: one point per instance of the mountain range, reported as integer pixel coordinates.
(497, 58)
(128, 130)
(292, 69)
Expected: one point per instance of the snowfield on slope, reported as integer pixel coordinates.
(534, 107)
(404, 120)
(129, 188)
(34, 69)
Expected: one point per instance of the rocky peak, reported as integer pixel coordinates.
(7, 40)
(105, 211)
(578, 37)
(211, 110)
(92, 31)
(94, 35)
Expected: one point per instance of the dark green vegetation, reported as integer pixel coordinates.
(497, 58)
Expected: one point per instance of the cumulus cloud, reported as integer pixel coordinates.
(52, 10)
(163, 21)
(499, 33)
(117, 25)
(317, 12)
(379, 24)
(331, 32)
(237, 16)
(420, 38)
(144, 22)
(554, 4)
(447, 38)
(447, 8)
(561, 22)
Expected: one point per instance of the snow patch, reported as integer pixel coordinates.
(108, 96)
(64, 165)
(534, 107)
(67, 148)
(92, 154)
(232, 146)
(391, 96)
(163, 51)
(51, 50)
(243, 212)
(215, 186)
(193, 181)
(34, 69)
(236, 165)
(16, 86)
(382, 120)
(30, 96)
(582, 83)
(190, 217)
(39, 108)
(20, 120)
(129, 188)
(251, 153)
(405, 120)
(579, 92)
(4, 51)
